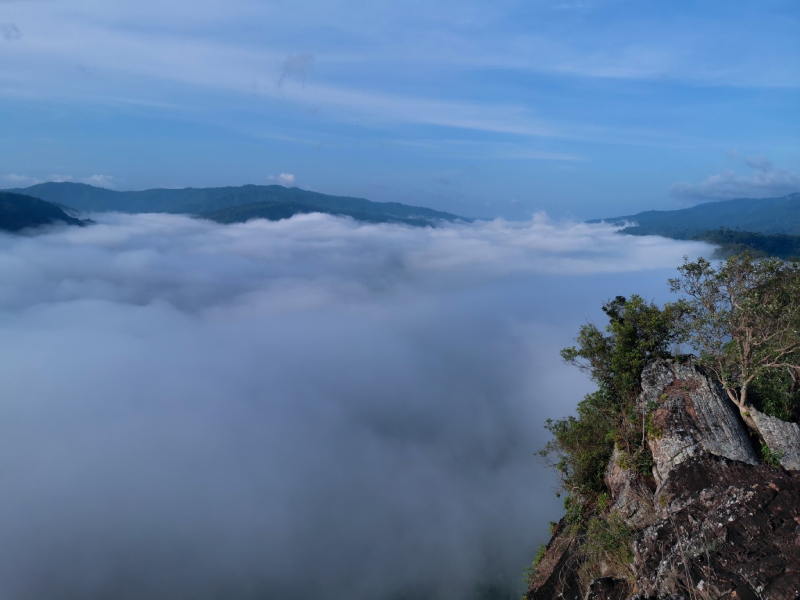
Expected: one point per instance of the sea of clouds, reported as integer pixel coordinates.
(306, 408)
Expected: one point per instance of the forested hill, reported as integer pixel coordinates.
(760, 215)
(18, 212)
(762, 226)
(223, 204)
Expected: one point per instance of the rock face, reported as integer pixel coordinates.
(713, 523)
(693, 415)
(728, 530)
(631, 494)
(782, 438)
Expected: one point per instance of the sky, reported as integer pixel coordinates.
(580, 108)
(312, 407)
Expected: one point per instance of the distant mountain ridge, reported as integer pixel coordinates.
(226, 204)
(761, 215)
(19, 212)
(762, 226)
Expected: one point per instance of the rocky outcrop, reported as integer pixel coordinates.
(691, 414)
(631, 493)
(713, 523)
(782, 438)
(728, 530)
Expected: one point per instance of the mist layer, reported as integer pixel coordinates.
(290, 409)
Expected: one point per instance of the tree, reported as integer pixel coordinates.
(637, 333)
(743, 318)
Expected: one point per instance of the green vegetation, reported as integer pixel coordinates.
(250, 201)
(760, 215)
(606, 544)
(530, 572)
(638, 332)
(761, 226)
(769, 457)
(758, 245)
(777, 393)
(18, 212)
(743, 319)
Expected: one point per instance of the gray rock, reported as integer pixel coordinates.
(630, 494)
(782, 438)
(692, 414)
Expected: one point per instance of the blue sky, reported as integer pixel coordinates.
(578, 108)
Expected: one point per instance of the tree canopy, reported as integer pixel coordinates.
(742, 318)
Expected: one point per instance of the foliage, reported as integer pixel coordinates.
(637, 333)
(530, 572)
(732, 242)
(607, 548)
(608, 539)
(769, 457)
(742, 317)
(777, 393)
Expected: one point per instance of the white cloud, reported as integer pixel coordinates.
(284, 179)
(766, 182)
(224, 406)
(106, 181)
(59, 178)
(20, 179)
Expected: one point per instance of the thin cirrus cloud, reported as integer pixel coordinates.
(365, 399)
(567, 104)
(766, 181)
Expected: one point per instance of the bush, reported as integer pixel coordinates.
(775, 393)
(607, 549)
(638, 332)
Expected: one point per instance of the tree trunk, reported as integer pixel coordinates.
(748, 420)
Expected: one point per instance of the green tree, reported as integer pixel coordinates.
(743, 318)
(637, 333)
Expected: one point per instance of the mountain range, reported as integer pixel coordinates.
(232, 204)
(18, 212)
(764, 226)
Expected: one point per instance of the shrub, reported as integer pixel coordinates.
(607, 549)
(776, 394)
(637, 333)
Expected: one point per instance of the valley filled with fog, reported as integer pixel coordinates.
(312, 407)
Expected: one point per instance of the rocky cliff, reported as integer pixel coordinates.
(713, 522)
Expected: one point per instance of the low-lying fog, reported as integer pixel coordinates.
(312, 408)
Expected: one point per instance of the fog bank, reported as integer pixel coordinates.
(290, 409)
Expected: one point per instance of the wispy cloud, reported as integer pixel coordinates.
(284, 179)
(767, 181)
(20, 179)
(106, 181)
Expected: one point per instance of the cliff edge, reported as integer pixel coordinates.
(718, 519)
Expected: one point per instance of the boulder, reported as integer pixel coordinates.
(782, 438)
(691, 414)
